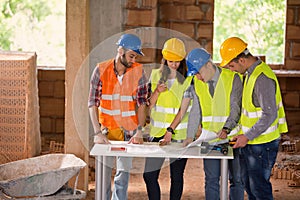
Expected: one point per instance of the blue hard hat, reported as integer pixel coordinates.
(196, 59)
(132, 42)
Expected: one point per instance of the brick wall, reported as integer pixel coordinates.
(290, 89)
(191, 17)
(292, 53)
(51, 85)
(290, 83)
(142, 13)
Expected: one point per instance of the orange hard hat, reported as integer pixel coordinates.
(230, 49)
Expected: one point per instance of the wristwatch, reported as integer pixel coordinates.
(170, 129)
(103, 131)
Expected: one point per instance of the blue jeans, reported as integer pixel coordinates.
(257, 162)
(236, 191)
(151, 174)
(121, 178)
(212, 178)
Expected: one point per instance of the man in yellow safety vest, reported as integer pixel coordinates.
(262, 117)
(216, 106)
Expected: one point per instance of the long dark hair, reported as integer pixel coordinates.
(181, 71)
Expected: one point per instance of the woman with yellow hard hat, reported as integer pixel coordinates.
(167, 85)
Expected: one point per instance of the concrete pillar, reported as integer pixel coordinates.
(89, 22)
(77, 79)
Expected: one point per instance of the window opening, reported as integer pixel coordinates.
(261, 23)
(35, 26)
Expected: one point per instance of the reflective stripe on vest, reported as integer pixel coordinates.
(128, 113)
(169, 110)
(110, 112)
(117, 112)
(257, 114)
(117, 97)
(110, 97)
(269, 130)
(166, 125)
(127, 98)
(214, 119)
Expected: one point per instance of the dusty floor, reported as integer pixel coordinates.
(194, 184)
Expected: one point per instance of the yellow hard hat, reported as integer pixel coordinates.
(174, 50)
(230, 49)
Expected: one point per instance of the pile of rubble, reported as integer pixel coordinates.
(287, 165)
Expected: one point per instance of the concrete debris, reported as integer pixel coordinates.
(287, 164)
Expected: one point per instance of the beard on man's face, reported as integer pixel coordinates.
(124, 61)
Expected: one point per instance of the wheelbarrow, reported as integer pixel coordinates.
(42, 177)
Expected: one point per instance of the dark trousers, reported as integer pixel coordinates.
(151, 175)
(257, 161)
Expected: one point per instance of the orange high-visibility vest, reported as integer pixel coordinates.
(118, 107)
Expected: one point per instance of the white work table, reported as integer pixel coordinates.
(148, 149)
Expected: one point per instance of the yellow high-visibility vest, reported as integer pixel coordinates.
(251, 114)
(166, 108)
(216, 109)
